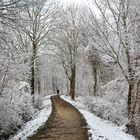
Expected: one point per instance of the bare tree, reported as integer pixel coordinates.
(113, 36)
(94, 60)
(9, 15)
(67, 40)
(40, 17)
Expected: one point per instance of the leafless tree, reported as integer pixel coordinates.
(67, 42)
(40, 17)
(113, 35)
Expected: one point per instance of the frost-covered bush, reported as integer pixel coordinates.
(38, 103)
(113, 104)
(15, 109)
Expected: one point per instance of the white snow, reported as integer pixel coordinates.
(38, 120)
(23, 85)
(99, 128)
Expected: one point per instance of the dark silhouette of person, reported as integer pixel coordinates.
(58, 92)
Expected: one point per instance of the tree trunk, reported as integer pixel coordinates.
(131, 82)
(37, 77)
(33, 70)
(73, 82)
(39, 86)
(95, 81)
(53, 85)
(134, 112)
(129, 102)
(137, 109)
(32, 78)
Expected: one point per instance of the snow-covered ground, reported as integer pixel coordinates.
(99, 128)
(37, 121)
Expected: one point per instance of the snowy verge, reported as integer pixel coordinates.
(38, 120)
(99, 128)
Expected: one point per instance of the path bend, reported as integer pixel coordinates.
(65, 123)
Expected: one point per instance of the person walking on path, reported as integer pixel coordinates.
(57, 92)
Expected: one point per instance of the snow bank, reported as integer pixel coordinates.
(99, 128)
(112, 105)
(38, 120)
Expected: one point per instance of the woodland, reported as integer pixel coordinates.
(89, 52)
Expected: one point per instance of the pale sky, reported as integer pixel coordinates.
(82, 2)
(73, 1)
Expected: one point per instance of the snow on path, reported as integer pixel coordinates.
(99, 128)
(37, 121)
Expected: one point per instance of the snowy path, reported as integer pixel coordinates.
(65, 123)
(98, 129)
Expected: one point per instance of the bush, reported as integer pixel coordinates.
(112, 105)
(15, 109)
